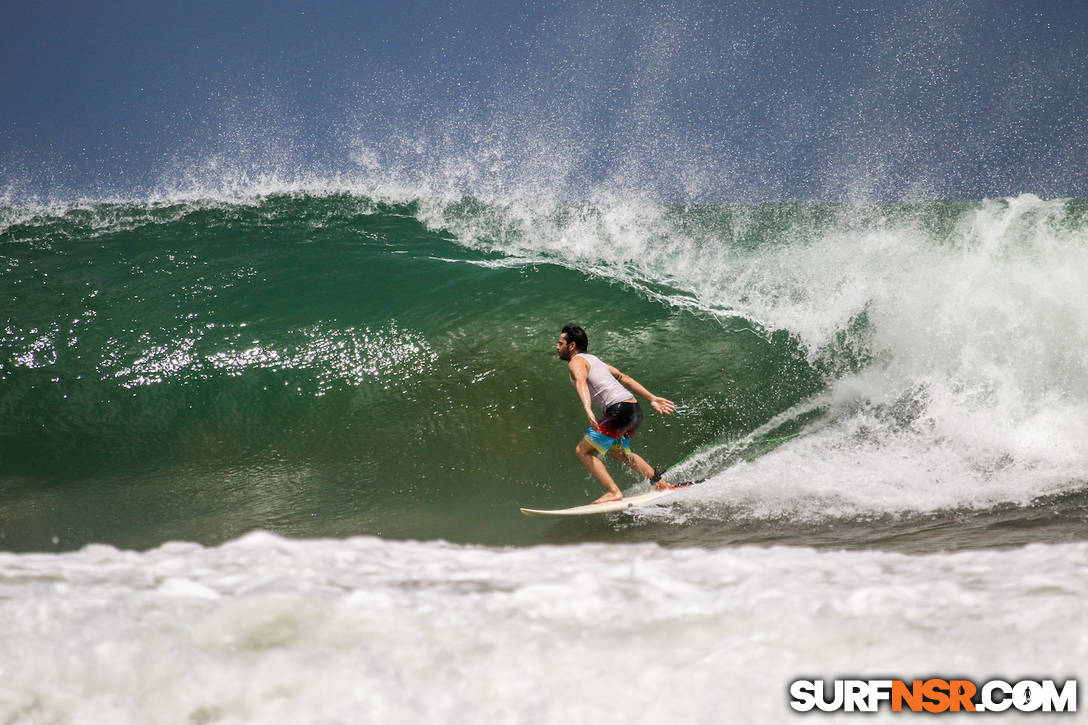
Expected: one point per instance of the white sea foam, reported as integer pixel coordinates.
(268, 630)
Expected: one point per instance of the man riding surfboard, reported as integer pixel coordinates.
(602, 386)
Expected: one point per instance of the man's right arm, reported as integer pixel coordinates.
(579, 370)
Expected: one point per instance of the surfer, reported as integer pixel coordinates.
(604, 387)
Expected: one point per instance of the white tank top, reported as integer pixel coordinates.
(604, 389)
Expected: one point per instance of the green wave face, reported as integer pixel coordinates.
(331, 365)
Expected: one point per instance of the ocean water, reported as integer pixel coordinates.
(261, 454)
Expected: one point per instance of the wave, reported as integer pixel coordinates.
(930, 355)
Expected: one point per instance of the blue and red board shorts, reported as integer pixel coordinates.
(615, 427)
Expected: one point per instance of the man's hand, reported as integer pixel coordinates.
(663, 406)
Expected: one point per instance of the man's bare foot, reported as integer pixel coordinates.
(610, 497)
(663, 486)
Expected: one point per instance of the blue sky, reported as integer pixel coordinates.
(701, 101)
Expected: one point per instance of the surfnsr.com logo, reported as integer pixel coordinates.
(933, 695)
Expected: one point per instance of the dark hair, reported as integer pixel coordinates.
(577, 335)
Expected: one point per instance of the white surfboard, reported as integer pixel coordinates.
(594, 509)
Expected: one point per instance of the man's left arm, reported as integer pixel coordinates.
(661, 405)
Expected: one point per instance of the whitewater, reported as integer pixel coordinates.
(266, 629)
